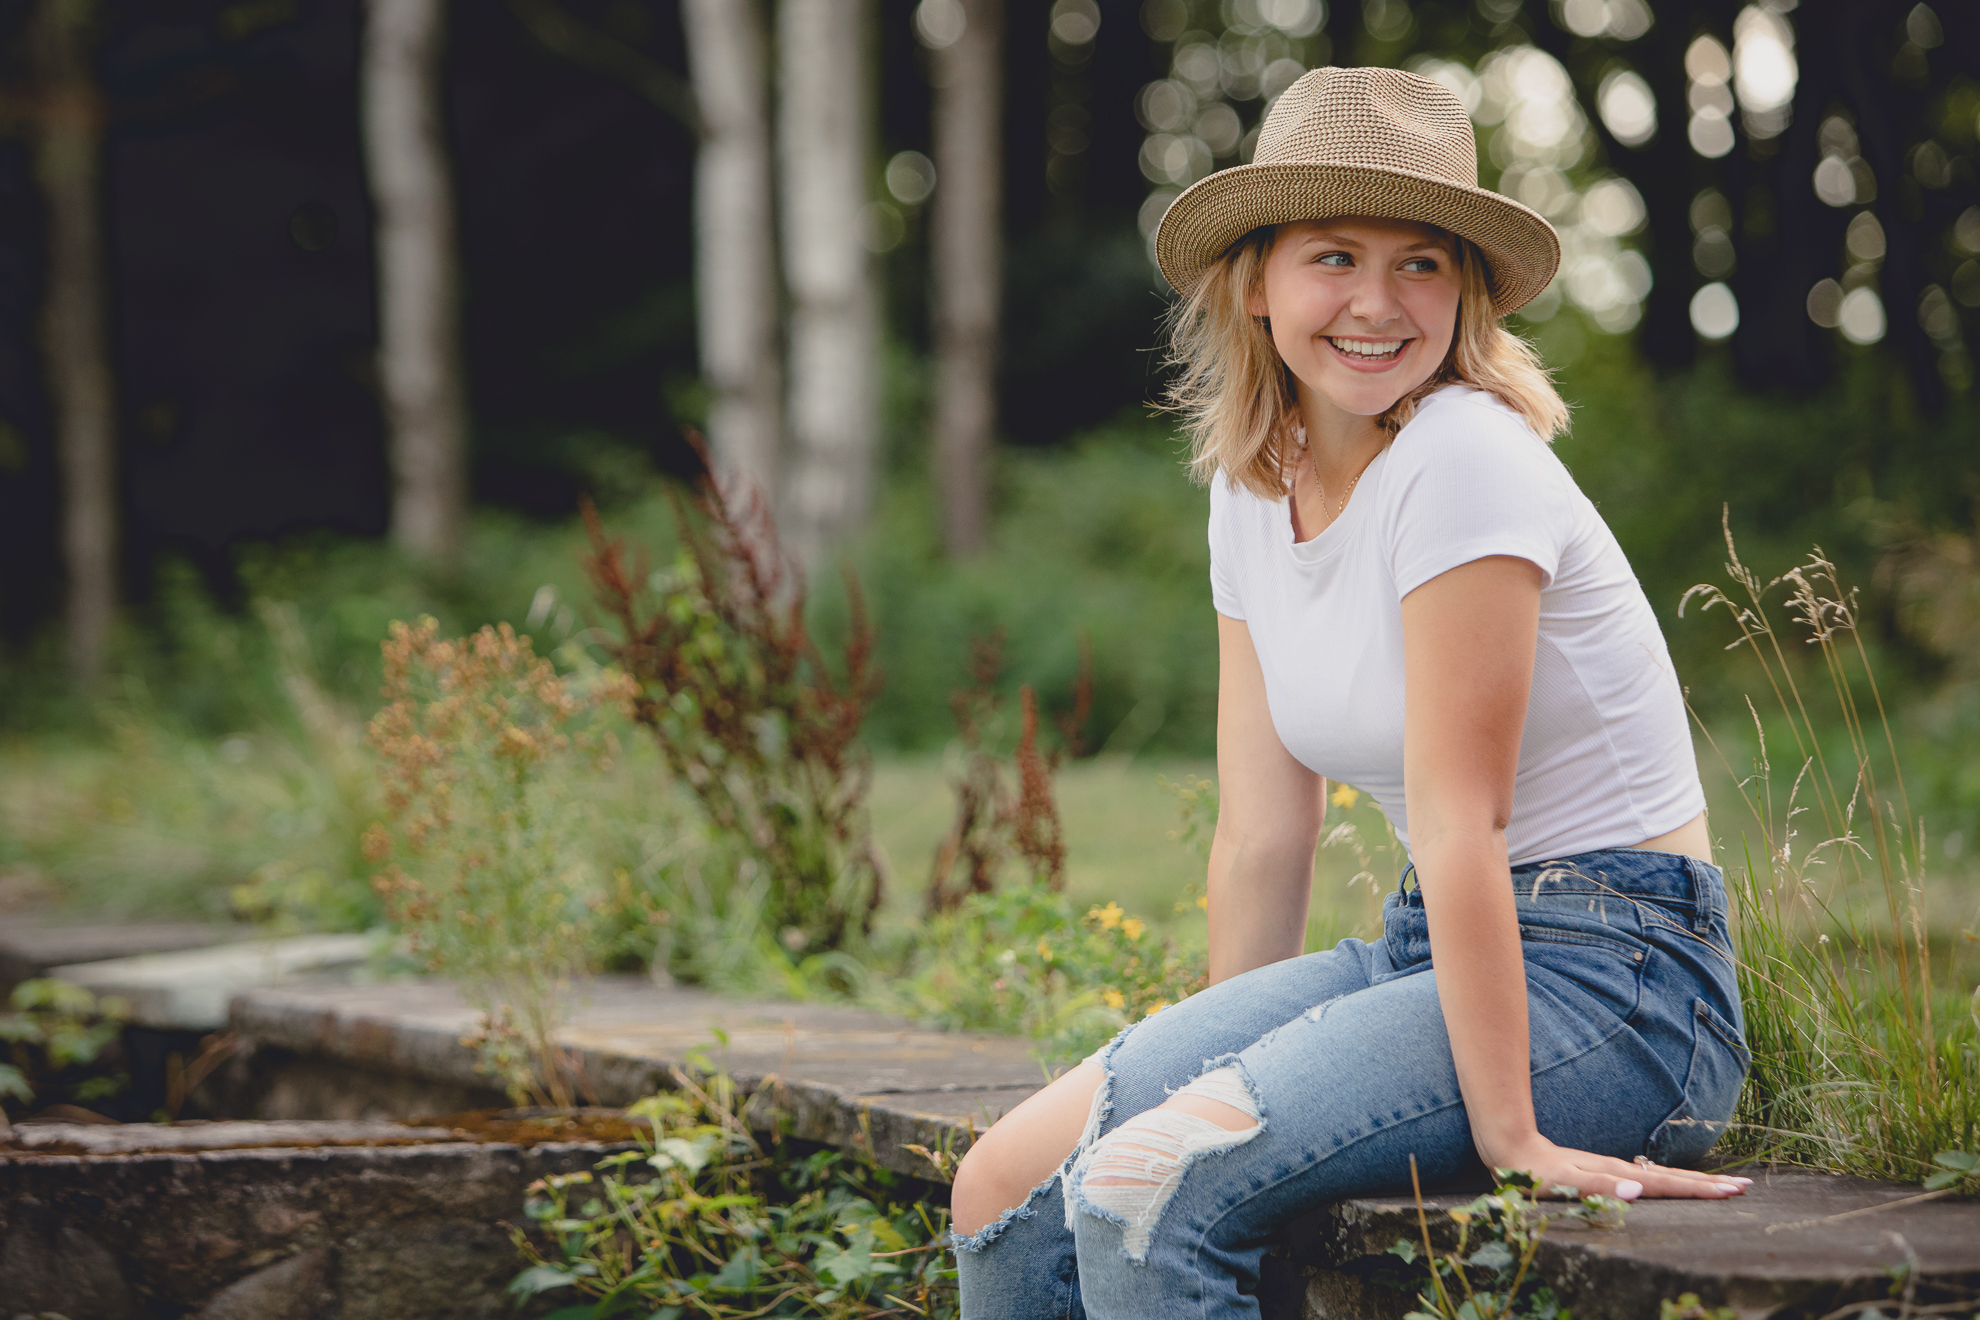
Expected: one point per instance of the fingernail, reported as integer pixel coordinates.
(1628, 1189)
(1730, 1189)
(1743, 1182)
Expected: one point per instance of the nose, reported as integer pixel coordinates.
(1374, 299)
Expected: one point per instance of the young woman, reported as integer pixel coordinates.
(1413, 597)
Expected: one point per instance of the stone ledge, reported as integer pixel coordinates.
(838, 1076)
(335, 1233)
(32, 946)
(1797, 1244)
(189, 989)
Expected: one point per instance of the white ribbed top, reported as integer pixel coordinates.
(1605, 760)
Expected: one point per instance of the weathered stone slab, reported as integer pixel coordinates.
(335, 1233)
(825, 1073)
(219, 1134)
(1796, 1244)
(189, 990)
(30, 947)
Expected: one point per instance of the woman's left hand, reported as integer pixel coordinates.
(1562, 1171)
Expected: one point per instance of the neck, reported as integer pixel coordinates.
(1339, 441)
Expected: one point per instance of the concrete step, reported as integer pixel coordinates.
(1797, 1245)
(190, 989)
(838, 1075)
(31, 946)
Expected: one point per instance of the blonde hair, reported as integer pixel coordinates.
(1236, 395)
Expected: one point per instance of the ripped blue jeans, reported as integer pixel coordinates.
(1343, 1060)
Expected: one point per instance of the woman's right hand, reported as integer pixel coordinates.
(1565, 1171)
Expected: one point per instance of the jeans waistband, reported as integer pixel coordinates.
(1673, 879)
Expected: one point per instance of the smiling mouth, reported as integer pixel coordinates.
(1370, 350)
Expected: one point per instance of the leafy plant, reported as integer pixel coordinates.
(745, 711)
(1024, 958)
(480, 746)
(1958, 1171)
(53, 1032)
(703, 1220)
(1865, 1058)
(995, 818)
(1488, 1274)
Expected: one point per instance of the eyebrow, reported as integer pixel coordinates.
(1333, 236)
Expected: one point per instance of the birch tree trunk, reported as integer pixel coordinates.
(967, 270)
(824, 135)
(75, 334)
(419, 351)
(735, 259)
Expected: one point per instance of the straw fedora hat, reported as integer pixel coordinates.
(1374, 142)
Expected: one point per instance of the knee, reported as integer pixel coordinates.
(981, 1190)
(1129, 1176)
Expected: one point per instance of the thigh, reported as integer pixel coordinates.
(1156, 1056)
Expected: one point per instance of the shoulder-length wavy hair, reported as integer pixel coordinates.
(1236, 394)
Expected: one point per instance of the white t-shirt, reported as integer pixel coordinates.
(1605, 760)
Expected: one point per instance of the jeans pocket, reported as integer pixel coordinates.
(1719, 1060)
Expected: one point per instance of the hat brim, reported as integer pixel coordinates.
(1521, 248)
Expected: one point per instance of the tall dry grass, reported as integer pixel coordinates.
(1865, 1037)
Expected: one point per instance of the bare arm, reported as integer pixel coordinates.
(1468, 644)
(1270, 808)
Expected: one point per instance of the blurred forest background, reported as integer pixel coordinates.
(329, 312)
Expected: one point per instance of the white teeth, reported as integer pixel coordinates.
(1365, 349)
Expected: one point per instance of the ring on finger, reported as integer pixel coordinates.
(1645, 1162)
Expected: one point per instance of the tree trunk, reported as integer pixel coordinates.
(419, 350)
(68, 160)
(967, 270)
(824, 135)
(735, 258)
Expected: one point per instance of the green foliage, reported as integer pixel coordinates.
(1024, 959)
(480, 748)
(1488, 1273)
(53, 1032)
(1958, 1171)
(1688, 1307)
(1866, 1048)
(746, 713)
(703, 1220)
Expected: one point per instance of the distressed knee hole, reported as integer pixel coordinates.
(1130, 1175)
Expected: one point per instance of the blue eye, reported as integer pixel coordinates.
(1424, 265)
(1328, 259)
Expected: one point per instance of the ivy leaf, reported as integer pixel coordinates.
(847, 1266)
(1494, 1256)
(15, 1083)
(540, 1279)
(739, 1275)
(1405, 1250)
(1962, 1160)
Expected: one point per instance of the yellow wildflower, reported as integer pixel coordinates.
(1132, 928)
(1114, 998)
(1345, 796)
(1203, 901)
(1044, 951)
(1157, 1007)
(1109, 916)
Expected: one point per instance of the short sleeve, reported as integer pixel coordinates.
(1468, 479)
(1223, 567)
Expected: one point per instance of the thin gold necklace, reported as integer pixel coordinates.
(1346, 495)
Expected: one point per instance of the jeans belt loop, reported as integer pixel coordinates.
(1701, 896)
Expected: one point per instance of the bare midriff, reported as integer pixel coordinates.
(1691, 839)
